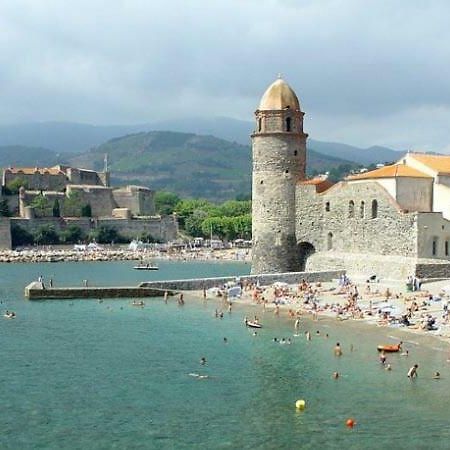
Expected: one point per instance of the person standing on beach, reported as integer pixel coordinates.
(412, 372)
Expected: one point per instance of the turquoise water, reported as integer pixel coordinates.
(89, 375)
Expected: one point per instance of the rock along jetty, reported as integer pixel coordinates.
(40, 256)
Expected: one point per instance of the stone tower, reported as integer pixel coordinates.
(279, 157)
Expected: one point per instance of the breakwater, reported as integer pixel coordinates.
(35, 291)
(262, 280)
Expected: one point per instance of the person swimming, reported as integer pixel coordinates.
(203, 361)
(337, 349)
(436, 376)
(335, 375)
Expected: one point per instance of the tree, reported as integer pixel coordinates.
(56, 209)
(165, 202)
(41, 204)
(4, 208)
(14, 185)
(72, 204)
(107, 235)
(186, 208)
(20, 236)
(46, 235)
(86, 210)
(72, 234)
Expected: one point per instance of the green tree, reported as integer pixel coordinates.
(165, 202)
(14, 185)
(107, 235)
(193, 223)
(86, 210)
(56, 209)
(20, 236)
(4, 208)
(73, 204)
(41, 204)
(72, 234)
(46, 235)
(147, 237)
(186, 208)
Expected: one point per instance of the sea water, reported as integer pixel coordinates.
(84, 374)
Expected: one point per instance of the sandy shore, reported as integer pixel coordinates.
(371, 307)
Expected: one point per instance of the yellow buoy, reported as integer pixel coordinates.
(300, 404)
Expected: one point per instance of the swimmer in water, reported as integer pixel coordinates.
(255, 334)
(297, 325)
(225, 340)
(405, 353)
(436, 376)
(388, 367)
(203, 361)
(308, 336)
(198, 376)
(335, 375)
(337, 349)
(382, 358)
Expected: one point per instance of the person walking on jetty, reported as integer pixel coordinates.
(412, 372)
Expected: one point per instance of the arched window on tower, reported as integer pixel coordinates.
(374, 209)
(330, 241)
(446, 248)
(351, 208)
(361, 209)
(288, 124)
(259, 124)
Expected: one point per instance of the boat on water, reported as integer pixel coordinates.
(146, 266)
(9, 315)
(252, 324)
(390, 348)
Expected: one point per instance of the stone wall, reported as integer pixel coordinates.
(262, 279)
(161, 228)
(330, 222)
(5, 233)
(138, 199)
(99, 197)
(40, 179)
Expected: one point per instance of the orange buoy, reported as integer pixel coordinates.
(350, 423)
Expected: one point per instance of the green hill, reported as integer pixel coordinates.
(188, 164)
(23, 156)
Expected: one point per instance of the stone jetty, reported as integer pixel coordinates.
(36, 291)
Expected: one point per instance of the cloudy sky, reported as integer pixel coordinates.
(366, 72)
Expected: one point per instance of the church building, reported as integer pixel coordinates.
(393, 221)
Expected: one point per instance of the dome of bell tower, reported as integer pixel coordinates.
(278, 96)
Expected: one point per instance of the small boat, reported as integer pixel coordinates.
(9, 315)
(251, 324)
(148, 266)
(135, 303)
(389, 348)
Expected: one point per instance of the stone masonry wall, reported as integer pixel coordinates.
(325, 221)
(5, 233)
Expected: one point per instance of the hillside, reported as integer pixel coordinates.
(186, 163)
(19, 155)
(65, 137)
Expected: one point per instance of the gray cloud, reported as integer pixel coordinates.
(373, 72)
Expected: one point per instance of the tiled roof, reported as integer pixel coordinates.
(321, 183)
(395, 170)
(439, 163)
(32, 170)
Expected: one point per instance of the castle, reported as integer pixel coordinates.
(393, 221)
(63, 196)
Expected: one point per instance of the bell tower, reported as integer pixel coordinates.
(279, 159)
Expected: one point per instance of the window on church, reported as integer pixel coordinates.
(288, 124)
(351, 208)
(259, 124)
(434, 247)
(361, 209)
(330, 241)
(374, 209)
(327, 206)
(446, 248)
